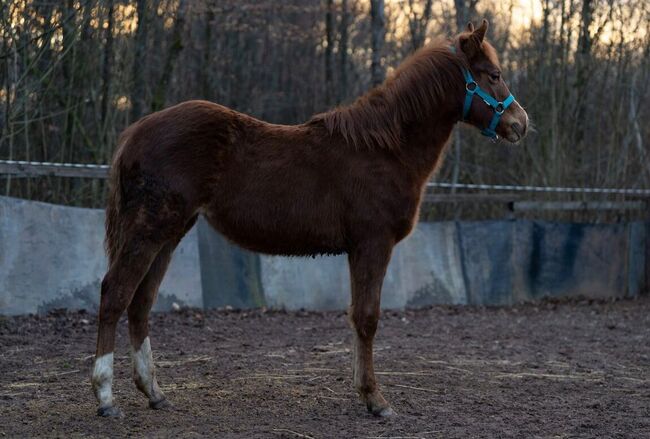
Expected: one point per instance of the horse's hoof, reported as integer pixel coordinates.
(381, 412)
(110, 412)
(159, 405)
(385, 412)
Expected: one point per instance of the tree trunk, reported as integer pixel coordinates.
(175, 47)
(465, 10)
(582, 66)
(68, 52)
(141, 35)
(418, 25)
(207, 73)
(343, 51)
(378, 36)
(329, 61)
(106, 68)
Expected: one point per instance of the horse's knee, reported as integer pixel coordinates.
(365, 320)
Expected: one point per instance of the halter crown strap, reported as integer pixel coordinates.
(472, 88)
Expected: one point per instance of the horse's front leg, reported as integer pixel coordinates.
(368, 262)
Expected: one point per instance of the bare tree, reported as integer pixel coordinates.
(418, 23)
(378, 36)
(175, 47)
(343, 51)
(583, 60)
(66, 78)
(206, 71)
(108, 58)
(329, 50)
(465, 11)
(140, 58)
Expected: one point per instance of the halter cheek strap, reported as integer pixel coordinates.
(472, 88)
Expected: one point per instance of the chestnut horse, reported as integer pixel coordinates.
(347, 181)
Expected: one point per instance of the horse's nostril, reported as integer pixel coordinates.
(517, 129)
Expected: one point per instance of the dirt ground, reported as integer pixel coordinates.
(568, 369)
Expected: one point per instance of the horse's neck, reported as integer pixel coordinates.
(425, 143)
(425, 134)
(402, 122)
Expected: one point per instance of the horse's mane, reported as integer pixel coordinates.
(415, 88)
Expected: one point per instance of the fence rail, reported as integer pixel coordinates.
(514, 199)
(518, 203)
(551, 189)
(17, 168)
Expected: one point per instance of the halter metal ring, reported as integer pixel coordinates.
(499, 108)
(471, 86)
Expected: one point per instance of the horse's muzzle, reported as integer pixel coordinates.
(519, 131)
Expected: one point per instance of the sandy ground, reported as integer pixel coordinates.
(569, 369)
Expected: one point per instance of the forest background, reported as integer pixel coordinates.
(75, 73)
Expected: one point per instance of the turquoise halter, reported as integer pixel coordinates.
(473, 88)
(499, 107)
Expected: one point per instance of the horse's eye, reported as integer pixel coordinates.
(495, 76)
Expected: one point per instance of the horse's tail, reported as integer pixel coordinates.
(113, 239)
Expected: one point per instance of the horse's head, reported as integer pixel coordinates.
(488, 103)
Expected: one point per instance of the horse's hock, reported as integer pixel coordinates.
(52, 257)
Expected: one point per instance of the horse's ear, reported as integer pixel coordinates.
(480, 32)
(471, 44)
(470, 27)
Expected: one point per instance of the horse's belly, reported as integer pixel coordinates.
(264, 232)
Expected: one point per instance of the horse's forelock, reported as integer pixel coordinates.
(490, 53)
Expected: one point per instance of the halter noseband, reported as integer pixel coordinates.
(472, 88)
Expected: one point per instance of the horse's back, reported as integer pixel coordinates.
(270, 188)
(267, 187)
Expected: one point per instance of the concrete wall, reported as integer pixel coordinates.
(52, 257)
(426, 268)
(230, 276)
(483, 263)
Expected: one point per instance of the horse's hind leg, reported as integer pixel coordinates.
(118, 287)
(144, 374)
(368, 262)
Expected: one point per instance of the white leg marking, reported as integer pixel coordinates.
(103, 380)
(144, 373)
